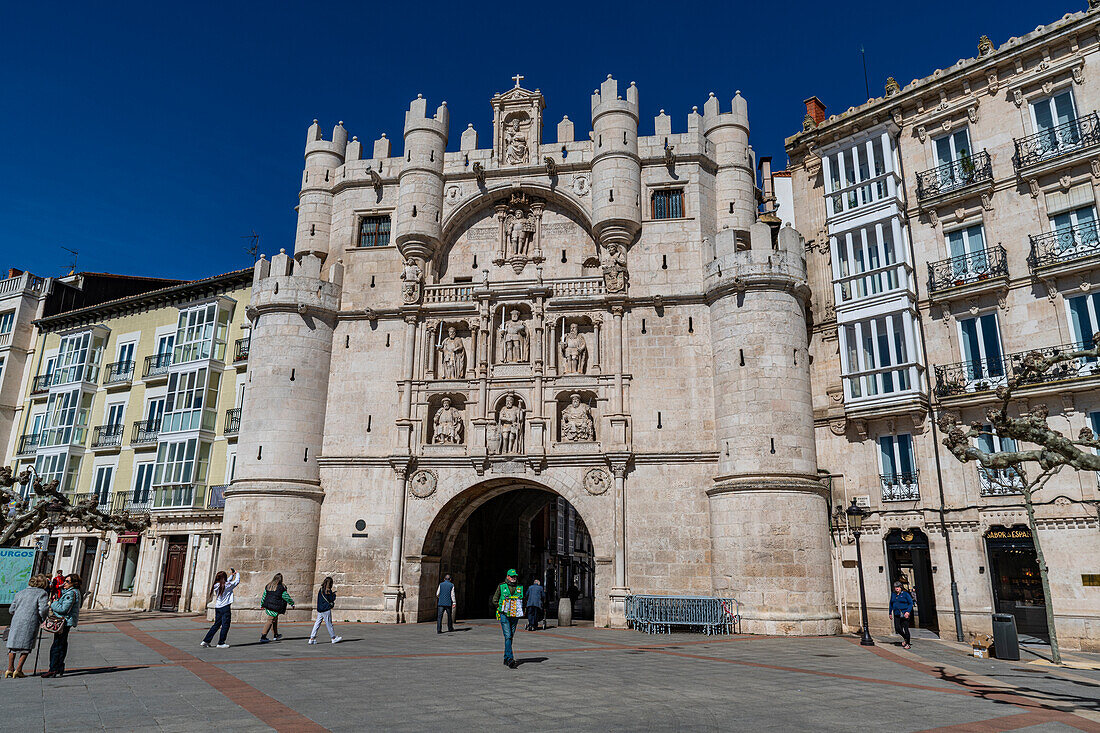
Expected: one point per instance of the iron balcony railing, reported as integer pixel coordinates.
(216, 498)
(103, 499)
(240, 349)
(139, 501)
(27, 443)
(1065, 244)
(232, 421)
(1077, 368)
(107, 436)
(958, 174)
(41, 383)
(119, 371)
(157, 365)
(1056, 142)
(984, 375)
(967, 269)
(900, 486)
(145, 432)
(968, 377)
(1000, 481)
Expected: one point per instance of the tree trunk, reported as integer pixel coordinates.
(1055, 655)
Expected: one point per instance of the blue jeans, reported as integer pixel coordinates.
(58, 649)
(222, 618)
(508, 626)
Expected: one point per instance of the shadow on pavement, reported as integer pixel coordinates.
(530, 660)
(100, 670)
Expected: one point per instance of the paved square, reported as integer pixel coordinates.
(142, 672)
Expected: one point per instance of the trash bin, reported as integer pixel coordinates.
(1006, 645)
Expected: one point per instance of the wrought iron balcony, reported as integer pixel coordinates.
(107, 436)
(232, 421)
(967, 269)
(240, 349)
(103, 500)
(119, 371)
(27, 443)
(969, 377)
(133, 502)
(145, 432)
(1064, 245)
(1000, 481)
(157, 365)
(1077, 368)
(216, 498)
(958, 174)
(41, 384)
(1065, 139)
(900, 486)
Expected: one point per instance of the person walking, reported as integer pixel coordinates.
(445, 601)
(274, 602)
(326, 599)
(29, 608)
(68, 608)
(508, 602)
(222, 591)
(536, 596)
(56, 585)
(901, 609)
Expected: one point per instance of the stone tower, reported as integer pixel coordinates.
(769, 517)
(322, 158)
(419, 216)
(616, 167)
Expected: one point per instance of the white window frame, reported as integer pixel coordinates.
(103, 479)
(974, 379)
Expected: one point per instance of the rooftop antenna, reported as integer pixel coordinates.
(866, 82)
(253, 244)
(72, 266)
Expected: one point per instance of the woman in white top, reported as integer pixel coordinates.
(223, 605)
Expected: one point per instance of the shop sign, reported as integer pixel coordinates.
(1009, 534)
(128, 538)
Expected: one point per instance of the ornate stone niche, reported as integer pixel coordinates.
(577, 417)
(504, 434)
(451, 352)
(446, 424)
(513, 336)
(575, 344)
(517, 126)
(520, 231)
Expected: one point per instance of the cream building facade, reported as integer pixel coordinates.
(951, 228)
(583, 358)
(135, 402)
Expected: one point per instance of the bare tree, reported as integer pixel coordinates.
(1053, 451)
(25, 516)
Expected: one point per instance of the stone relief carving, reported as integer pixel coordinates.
(516, 150)
(520, 232)
(581, 185)
(411, 276)
(614, 268)
(515, 341)
(892, 86)
(447, 426)
(596, 481)
(422, 483)
(505, 436)
(577, 425)
(574, 351)
(452, 355)
(985, 46)
(519, 228)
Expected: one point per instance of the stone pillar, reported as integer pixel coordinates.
(619, 592)
(394, 592)
(617, 344)
(597, 323)
(410, 364)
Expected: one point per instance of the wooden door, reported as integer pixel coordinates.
(172, 586)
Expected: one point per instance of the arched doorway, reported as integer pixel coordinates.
(909, 561)
(488, 529)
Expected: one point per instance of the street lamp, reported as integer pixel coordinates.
(855, 521)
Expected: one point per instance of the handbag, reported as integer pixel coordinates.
(53, 624)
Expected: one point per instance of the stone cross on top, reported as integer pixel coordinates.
(518, 78)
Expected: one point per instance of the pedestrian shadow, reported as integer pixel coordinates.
(100, 670)
(531, 660)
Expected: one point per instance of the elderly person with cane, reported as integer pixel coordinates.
(29, 608)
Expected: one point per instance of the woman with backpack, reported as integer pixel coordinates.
(223, 606)
(326, 599)
(67, 607)
(274, 602)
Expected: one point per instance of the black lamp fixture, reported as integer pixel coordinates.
(855, 514)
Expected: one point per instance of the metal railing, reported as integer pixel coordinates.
(134, 502)
(41, 383)
(107, 436)
(958, 174)
(119, 371)
(1077, 368)
(145, 432)
(968, 377)
(103, 501)
(1065, 244)
(232, 421)
(966, 269)
(27, 443)
(999, 481)
(216, 497)
(240, 349)
(157, 365)
(900, 486)
(1056, 142)
(658, 614)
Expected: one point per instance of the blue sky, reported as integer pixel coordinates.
(151, 137)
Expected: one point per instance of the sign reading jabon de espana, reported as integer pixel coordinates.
(15, 571)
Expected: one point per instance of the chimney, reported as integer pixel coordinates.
(765, 166)
(815, 110)
(14, 272)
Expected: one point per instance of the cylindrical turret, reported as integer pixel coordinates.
(323, 157)
(273, 506)
(769, 519)
(419, 223)
(734, 183)
(616, 167)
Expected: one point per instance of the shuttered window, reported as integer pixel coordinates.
(668, 203)
(374, 231)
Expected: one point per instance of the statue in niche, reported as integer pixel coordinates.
(447, 425)
(614, 269)
(577, 425)
(515, 143)
(518, 230)
(514, 340)
(574, 350)
(411, 277)
(453, 355)
(509, 427)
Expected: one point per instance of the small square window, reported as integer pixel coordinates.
(668, 203)
(374, 231)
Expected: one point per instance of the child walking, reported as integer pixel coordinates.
(223, 606)
(274, 602)
(326, 599)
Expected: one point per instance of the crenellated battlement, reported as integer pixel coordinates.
(316, 144)
(283, 283)
(417, 118)
(714, 119)
(606, 99)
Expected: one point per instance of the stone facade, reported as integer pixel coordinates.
(601, 321)
(950, 229)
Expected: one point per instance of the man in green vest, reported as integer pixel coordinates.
(508, 602)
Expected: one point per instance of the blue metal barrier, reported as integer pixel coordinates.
(658, 614)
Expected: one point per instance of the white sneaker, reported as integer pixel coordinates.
(312, 641)
(223, 646)
(203, 643)
(337, 640)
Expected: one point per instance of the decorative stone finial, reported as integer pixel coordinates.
(892, 86)
(282, 250)
(808, 123)
(985, 46)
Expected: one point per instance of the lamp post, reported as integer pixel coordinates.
(855, 521)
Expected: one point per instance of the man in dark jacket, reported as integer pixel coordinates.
(445, 596)
(536, 596)
(901, 609)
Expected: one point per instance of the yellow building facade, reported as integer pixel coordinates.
(136, 402)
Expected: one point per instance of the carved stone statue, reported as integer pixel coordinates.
(577, 425)
(453, 355)
(614, 269)
(510, 426)
(574, 350)
(518, 230)
(515, 144)
(514, 340)
(411, 277)
(447, 425)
